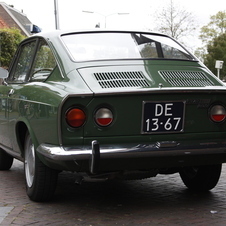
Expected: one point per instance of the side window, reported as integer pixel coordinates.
(44, 63)
(23, 64)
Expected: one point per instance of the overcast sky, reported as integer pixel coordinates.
(41, 12)
(140, 14)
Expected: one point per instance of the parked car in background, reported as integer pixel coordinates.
(110, 104)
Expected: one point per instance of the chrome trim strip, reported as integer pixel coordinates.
(12, 152)
(33, 102)
(115, 92)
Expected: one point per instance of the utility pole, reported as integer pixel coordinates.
(56, 14)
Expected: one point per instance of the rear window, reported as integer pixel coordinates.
(111, 46)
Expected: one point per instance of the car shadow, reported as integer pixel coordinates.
(161, 192)
(130, 202)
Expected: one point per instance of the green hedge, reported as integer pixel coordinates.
(9, 41)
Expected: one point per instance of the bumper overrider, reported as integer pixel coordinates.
(94, 153)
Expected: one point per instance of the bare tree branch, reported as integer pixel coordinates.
(175, 22)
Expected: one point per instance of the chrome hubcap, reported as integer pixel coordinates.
(30, 163)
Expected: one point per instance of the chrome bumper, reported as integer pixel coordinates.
(95, 152)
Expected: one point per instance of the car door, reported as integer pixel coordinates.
(4, 139)
(34, 64)
(11, 99)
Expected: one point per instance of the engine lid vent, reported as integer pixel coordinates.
(186, 78)
(121, 79)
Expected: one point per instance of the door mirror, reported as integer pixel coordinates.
(3, 73)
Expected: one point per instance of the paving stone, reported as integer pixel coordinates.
(162, 200)
(4, 211)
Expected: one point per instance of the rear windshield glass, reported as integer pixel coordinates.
(108, 46)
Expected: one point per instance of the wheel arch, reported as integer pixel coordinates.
(22, 129)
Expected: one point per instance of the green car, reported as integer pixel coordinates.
(110, 104)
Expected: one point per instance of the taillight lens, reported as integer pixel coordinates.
(103, 117)
(218, 113)
(75, 117)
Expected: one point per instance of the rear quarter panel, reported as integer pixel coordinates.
(36, 105)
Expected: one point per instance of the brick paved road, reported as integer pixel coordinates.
(157, 201)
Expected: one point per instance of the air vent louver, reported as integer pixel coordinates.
(121, 79)
(186, 78)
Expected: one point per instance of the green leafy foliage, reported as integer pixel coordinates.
(214, 28)
(213, 37)
(9, 41)
(216, 51)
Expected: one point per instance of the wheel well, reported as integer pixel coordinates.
(21, 131)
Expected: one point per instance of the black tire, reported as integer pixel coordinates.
(41, 181)
(6, 160)
(201, 178)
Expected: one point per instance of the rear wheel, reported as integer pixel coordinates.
(40, 180)
(201, 178)
(6, 160)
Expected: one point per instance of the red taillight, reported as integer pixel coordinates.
(75, 117)
(218, 113)
(103, 117)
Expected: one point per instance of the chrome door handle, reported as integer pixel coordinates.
(11, 92)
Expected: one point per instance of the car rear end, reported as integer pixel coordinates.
(159, 108)
(135, 127)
